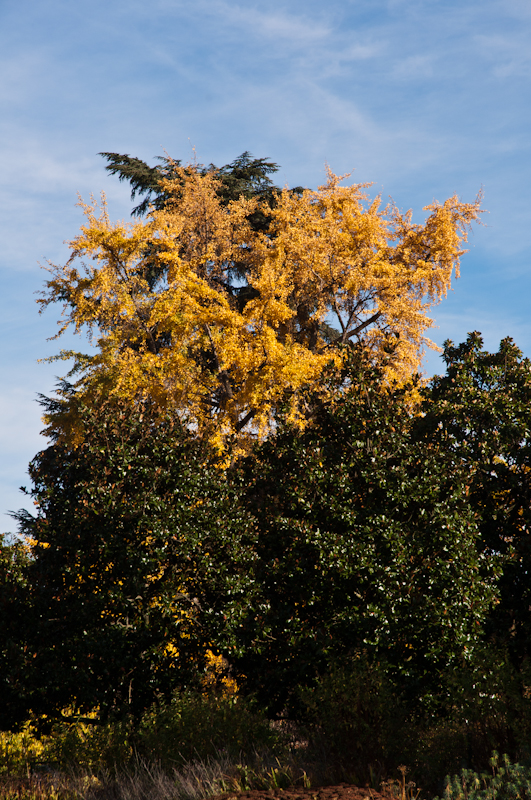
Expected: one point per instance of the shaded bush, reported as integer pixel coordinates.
(357, 724)
(92, 746)
(200, 727)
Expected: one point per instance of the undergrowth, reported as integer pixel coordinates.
(505, 781)
(352, 727)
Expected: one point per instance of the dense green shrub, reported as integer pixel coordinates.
(479, 414)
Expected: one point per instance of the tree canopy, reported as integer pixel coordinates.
(366, 543)
(247, 473)
(138, 554)
(219, 318)
(479, 414)
(353, 536)
(244, 177)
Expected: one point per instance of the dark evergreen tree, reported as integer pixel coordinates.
(479, 414)
(139, 559)
(15, 610)
(366, 544)
(245, 176)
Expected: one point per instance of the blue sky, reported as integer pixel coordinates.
(426, 98)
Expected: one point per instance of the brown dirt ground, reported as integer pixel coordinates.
(343, 791)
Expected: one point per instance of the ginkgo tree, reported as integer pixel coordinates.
(200, 311)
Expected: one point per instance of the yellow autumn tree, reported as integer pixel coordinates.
(199, 312)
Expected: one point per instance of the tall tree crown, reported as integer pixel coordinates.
(220, 302)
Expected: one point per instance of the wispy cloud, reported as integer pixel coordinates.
(300, 28)
(414, 68)
(276, 25)
(509, 56)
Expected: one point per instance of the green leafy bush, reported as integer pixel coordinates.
(139, 556)
(366, 541)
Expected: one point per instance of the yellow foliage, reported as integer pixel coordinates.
(217, 676)
(31, 543)
(162, 298)
(18, 751)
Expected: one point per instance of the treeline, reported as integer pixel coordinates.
(245, 502)
(387, 538)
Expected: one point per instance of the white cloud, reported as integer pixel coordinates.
(234, 22)
(361, 51)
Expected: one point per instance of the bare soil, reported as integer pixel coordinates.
(343, 791)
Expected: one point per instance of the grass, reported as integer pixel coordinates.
(149, 781)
